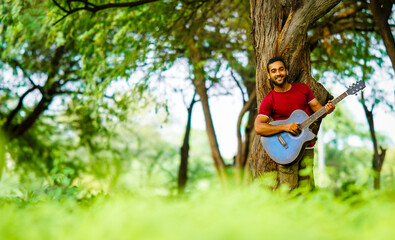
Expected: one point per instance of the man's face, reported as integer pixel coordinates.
(277, 73)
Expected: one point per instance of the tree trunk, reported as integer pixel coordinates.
(379, 152)
(378, 157)
(279, 28)
(183, 170)
(200, 86)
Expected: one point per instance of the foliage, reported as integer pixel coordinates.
(346, 58)
(2, 153)
(98, 50)
(388, 172)
(358, 56)
(103, 146)
(347, 149)
(95, 136)
(239, 214)
(50, 63)
(72, 68)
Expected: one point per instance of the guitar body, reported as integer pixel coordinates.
(285, 148)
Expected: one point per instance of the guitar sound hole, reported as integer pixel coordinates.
(297, 134)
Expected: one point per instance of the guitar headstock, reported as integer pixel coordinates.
(356, 87)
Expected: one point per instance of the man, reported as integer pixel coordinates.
(285, 98)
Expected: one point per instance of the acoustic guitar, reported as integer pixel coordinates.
(285, 148)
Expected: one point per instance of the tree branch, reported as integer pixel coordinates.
(48, 91)
(242, 112)
(17, 64)
(67, 92)
(58, 5)
(340, 21)
(381, 14)
(22, 127)
(18, 107)
(238, 85)
(319, 7)
(62, 83)
(90, 7)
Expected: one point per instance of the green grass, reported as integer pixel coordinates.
(251, 213)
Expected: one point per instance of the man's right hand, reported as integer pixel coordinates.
(293, 128)
(262, 127)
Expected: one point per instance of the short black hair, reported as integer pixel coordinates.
(275, 59)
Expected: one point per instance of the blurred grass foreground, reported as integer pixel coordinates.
(249, 213)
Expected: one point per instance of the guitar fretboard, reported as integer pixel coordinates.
(306, 123)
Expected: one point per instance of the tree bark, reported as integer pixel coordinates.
(279, 28)
(183, 170)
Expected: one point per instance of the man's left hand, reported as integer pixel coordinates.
(329, 107)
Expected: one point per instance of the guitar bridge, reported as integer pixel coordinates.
(282, 141)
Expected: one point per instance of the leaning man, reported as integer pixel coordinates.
(279, 103)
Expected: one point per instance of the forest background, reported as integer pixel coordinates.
(114, 103)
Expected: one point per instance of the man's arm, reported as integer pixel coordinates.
(315, 106)
(262, 127)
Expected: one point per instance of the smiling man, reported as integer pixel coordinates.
(279, 104)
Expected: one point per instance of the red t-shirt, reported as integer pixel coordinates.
(280, 105)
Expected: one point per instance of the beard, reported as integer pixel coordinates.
(285, 79)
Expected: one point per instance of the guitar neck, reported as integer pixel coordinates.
(306, 123)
